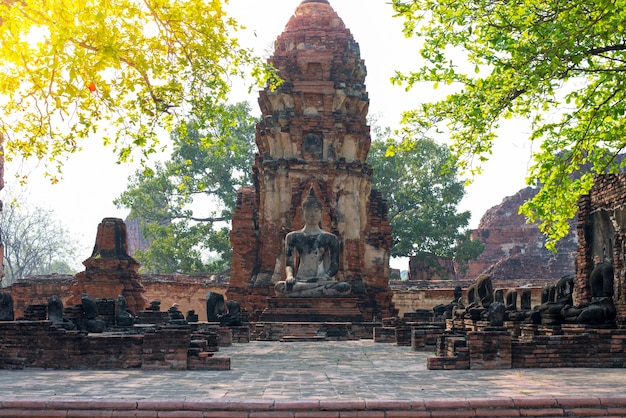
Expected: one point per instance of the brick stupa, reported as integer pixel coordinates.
(313, 133)
(110, 271)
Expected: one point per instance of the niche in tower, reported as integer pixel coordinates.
(314, 71)
(312, 146)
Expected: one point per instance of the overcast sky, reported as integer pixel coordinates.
(92, 179)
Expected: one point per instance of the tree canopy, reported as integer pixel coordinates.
(125, 69)
(186, 203)
(559, 64)
(423, 192)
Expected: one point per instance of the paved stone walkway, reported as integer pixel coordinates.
(312, 371)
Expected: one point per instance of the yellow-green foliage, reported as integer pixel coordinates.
(123, 68)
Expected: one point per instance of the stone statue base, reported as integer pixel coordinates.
(317, 309)
(326, 288)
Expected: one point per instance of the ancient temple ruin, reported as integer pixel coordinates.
(313, 135)
(580, 321)
(111, 271)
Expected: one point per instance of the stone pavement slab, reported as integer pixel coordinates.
(320, 371)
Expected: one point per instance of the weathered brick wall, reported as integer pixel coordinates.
(536, 347)
(38, 344)
(515, 249)
(37, 290)
(188, 291)
(602, 228)
(407, 299)
(584, 348)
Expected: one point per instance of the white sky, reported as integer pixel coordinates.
(92, 179)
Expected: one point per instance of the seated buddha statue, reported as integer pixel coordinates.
(312, 257)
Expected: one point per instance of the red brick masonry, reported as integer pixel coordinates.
(457, 407)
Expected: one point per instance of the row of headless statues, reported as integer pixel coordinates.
(227, 313)
(557, 306)
(482, 303)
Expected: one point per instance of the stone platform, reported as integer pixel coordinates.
(330, 309)
(325, 379)
(312, 331)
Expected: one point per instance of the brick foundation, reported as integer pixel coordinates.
(38, 344)
(479, 407)
(536, 347)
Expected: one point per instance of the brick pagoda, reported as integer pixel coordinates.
(313, 133)
(110, 271)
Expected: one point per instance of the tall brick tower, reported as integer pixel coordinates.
(313, 133)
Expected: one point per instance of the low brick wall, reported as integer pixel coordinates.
(496, 407)
(575, 347)
(188, 291)
(38, 344)
(536, 347)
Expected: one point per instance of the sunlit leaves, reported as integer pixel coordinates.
(559, 64)
(124, 69)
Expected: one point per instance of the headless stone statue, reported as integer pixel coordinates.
(312, 258)
(526, 300)
(6, 307)
(232, 316)
(479, 297)
(92, 323)
(192, 316)
(446, 311)
(601, 308)
(155, 306)
(176, 316)
(496, 314)
(510, 300)
(55, 314)
(123, 317)
(214, 306)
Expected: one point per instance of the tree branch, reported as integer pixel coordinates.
(598, 51)
(221, 219)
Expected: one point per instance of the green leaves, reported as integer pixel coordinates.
(185, 203)
(419, 180)
(120, 68)
(561, 65)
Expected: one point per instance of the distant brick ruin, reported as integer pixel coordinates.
(515, 249)
(313, 134)
(136, 240)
